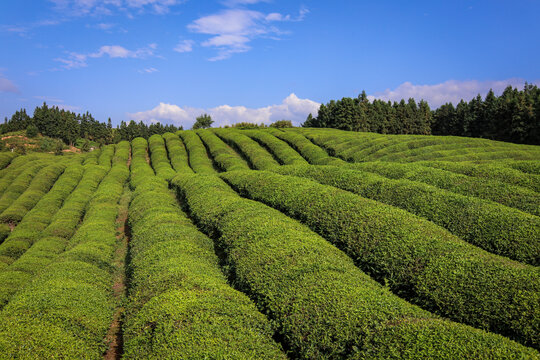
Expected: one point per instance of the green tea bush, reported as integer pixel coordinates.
(279, 148)
(6, 158)
(199, 160)
(258, 157)
(510, 195)
(4, 232)
(160, 160)
(225, 157)
(66, 310)
(177, 153)
(324, 306)
(491, 226)
(176, 285)
(417, 259)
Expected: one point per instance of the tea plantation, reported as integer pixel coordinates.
(272, 244)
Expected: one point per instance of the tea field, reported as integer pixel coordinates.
(272, 244)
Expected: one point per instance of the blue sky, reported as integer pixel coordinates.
(254, 60)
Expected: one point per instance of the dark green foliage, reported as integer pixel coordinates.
(282, 124)
(225, 157)
(4, 232)
(199, 160)
(493, 227)
(202, 122)
(32, 131)
(417, 259)
(175, 279)
(159, 157)
(324, 307)
(6, 158)
(277, 147)
(177, 153)
(258, 156)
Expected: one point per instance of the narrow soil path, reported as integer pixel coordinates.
(114, 337)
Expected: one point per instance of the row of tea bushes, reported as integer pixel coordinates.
(323, 305)
(6, 158)
(417, 259)
(279, 148)
(177, 153)
(66, 310)
(493, 227)
(40, 185)
(17, 165)
(510, 195)
(199, 160)
(226, 158)
(258, 157)
(492, 171)
(159, 158)
(179, 301)
(18, 265)
(16, 183)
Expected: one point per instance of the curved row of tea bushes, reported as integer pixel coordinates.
(225, 157)
(66, 311)
(496, 171)
(198, 157)
(493, 227)
(177, 153)
(323, 305)
(527, 166)
(139, 150)
(21, 258)
(5, 230)
(177, 287)
(40, 185)
(92, 157)
(416, 258)
(21, 183)
(509, 195)
(311, 152)
(159, 158)
(44, 222)
(15, 170)
(6, 158)
(285, 154)
(258, 156)
(105, 156)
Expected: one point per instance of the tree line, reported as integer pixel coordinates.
(68, 126)
(513, 116)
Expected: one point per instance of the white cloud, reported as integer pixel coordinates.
(7, 85)
(76, 60)
(292, 108)
(233, 29)
(184, 46)
(148, 70)
(107, 7)
(448, 91)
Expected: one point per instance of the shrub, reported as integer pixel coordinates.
(177, 153)
(225, 157)
(32, 131)
(285, 154)
(199, 159)
(282, 124)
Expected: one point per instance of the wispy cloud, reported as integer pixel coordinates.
(448, 91)
(184, 46)
(53, 101)
(148, 70)
(233, 29)
(7, 85)
(109, 7)
(77, 60)
(292, 108)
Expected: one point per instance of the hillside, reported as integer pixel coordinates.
(272, 243)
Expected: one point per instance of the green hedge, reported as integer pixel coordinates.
(496, 171)
(176, 285)
(258, 156)
(40, 185)
(5, 230)
(311, 152)
(92, 157)
(527, 166)
(417, 259)
(23, 172)
(106, 155)
(225, 157)
(6, 158)
(491, 226)
(66, 311)
(324, 306)
(159, 158)
(177, 153)
(285, 154)
(199, 159)
(509, 195)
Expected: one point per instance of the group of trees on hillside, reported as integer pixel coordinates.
(68, 126)
(513, 116)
